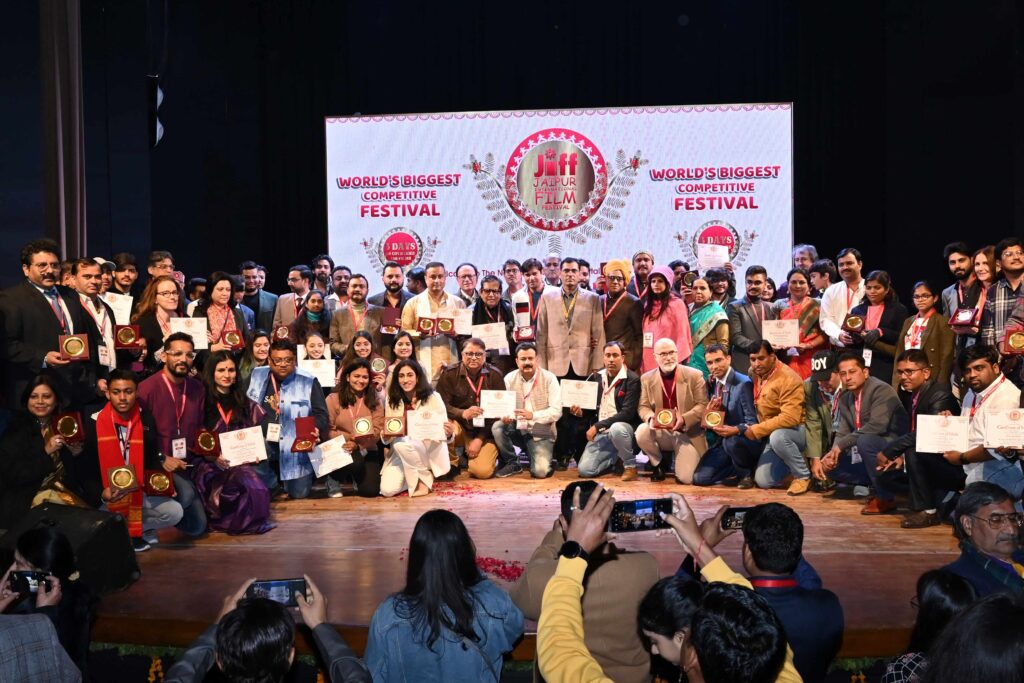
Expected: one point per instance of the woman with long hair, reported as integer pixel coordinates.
(403, 348)
(314, 317)
(982, 644)
(256, 354)
(356, 412)
(449, 622)
(709, 324)
(361, 347)
(883, 316)
(224, 320)
(161, 300)
(412, 465)
(665, 317)
(235, 498)
(805, 309)
(986, 267)
(929, 331)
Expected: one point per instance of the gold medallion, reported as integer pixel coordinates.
(1016, 341)
(713, 419)
(378, 365)
(159, 482)
(854, 322)
(122, 478)
(394, 425)
(233, 338)
(665, 418)
(445, 325)
(74, 346)
(363, 425)
(126, 336)
(207, 441)
(67, 426)
(302, 445)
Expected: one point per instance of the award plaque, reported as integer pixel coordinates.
(207, 443)
(282, 332)
(965, 317)
(74, 347)
(1013, 342)
(854, 324)
(664, 419)
(363, 426)
(126, 336)
(446, 326)
(524, 333)
(712, 419)
(304, 441)
(69, 426)
(689, 278)
(233, 338)
(378, 365)
(391, 320)
(426, 326)
(158, 483)
(122, 479)
(394, 426)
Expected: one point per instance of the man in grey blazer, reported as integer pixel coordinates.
(745, 318)
(570, 344)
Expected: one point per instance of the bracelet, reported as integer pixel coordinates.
(696, 558)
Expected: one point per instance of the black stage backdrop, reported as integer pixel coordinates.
(907, 112)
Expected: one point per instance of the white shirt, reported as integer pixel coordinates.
(521, 296)
(550, 414)
(607, 407)
(104, 324)
(834, 308)
(1000, 395)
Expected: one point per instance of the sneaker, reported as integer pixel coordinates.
(746, 483)
(799, 487)
(150, 537)
(877, 506)
(657, 473)
(629, 474)
(861, 492)
(920, 520)
(510, 470)
(334, 488)
(139, 545)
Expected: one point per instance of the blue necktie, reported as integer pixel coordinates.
(53, 296)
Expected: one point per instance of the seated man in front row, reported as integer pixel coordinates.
(532, 427)
(611, 426)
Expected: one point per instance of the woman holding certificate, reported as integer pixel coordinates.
(356, 412)
(805, 309)
(880, 318)
(665, 317)
(362, 348)
(929, 331)
(226, 328)
(315, 317)
(709, 324)
(235, 498)
(160, 301)
(413, 463)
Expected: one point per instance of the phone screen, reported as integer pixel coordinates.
(278, 590)
(733, 518)
(639, 515)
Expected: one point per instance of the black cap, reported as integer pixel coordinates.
(823, 364)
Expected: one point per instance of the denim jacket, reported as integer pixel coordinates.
(396, 651)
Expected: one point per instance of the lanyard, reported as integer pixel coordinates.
(358, 409)
(611, 388)
(226, 417)
(607, 311)
(913, 410)
(533, 385)
(754, 309)
(298, 303)
(670, 397)
(850, 294)
(567, 310)
(125, 441)
(759, 386)
(856, 406)
(477, 388)
(773, 583)
(184, 399)
(58, 311)
(101, 320)
(636, 286)
(833, 403)
(916, 331)
(277, 394)
(357, 324)
(977, 404)
(488, 312)
(534, 310)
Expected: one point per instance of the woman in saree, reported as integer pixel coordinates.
(803, 308)
(709, 324)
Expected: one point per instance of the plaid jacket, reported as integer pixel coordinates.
(1001, 304)
(30, 651)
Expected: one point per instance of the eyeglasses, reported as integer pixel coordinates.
(473, 354)
(281, 362)
(996, 520)
(178, 354)
(294, 279)
(615, 278)
(907, 372)
(171, 294)
(1010, 253)
(919, 297)
(490, 291)
(467, 277)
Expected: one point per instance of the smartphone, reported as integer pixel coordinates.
(639, 515)
(733, 518)
(278, 590)
(28, 582)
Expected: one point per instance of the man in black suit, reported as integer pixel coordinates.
(745, 318)
(394, 297)
(261, 302)
(36, 313)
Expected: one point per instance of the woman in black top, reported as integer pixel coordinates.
(883, 317)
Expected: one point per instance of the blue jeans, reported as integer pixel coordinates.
(193, 521)
(782, 455)
(1005, 474)
(296, 488)
(507, 437)
(714, 466)
(607, 447)
(743, 452)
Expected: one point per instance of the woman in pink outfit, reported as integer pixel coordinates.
(665, 316)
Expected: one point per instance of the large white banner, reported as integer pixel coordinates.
(682, 182)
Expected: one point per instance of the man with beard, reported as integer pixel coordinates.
(839, 299)
(584, 274)
(322, 266)
(1004, 305)
(512, 270)
(623, 313)
(434, 349)
(176, 401)
(290, 305)
(416, 280)
(256, 298)
(610, 429)
(532, 427)
(964, 294)
(394, 297)
(643, 263)
(355, 316)
(526, 301)
(126, 273)
(988, 526)
(340, 276)
(746, 317)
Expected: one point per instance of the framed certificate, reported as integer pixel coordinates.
(938, 434)
(781, 334)
(321, 368)
(1004, 428)
(497, 404)
(331, 456)
(492, 334)
(576, 392)
(243, 446)
(194, 327)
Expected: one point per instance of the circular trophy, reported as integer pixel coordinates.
(281, 332)
(378, 365)
(689, 278)
(713, 419)
(855, 323)
(1016, 341)
(445, 326)
(302, 445)
(67, 426)
(363, 425)
(665, 418)
(233, 338)
(126, 336)
(525, 333)
(159, 482)
(426, 324)
(74, 347)
(393, 425)
(122, 478)
(207, 442)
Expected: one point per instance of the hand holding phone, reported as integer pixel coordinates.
(279, 590)
(732, 519)
(639, 515)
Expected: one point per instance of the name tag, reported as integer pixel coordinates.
(104, 354)
(522, 425)
(855, 456)
(648, 340)
(867, 357)
(274, 432)
(178, 448)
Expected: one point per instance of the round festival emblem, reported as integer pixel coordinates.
(401, 245)
(207, 441)
(713, 419)
(378, 365)
(159, 482)
(67, 426)
(1016, 341)
(74, 346)
(556, 179)
(363, 426)
(719, 233)
(664, 418)
(122, 478)
(393, 425)
(126, 336)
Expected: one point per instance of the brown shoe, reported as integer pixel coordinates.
(629, 474)
(746, 483)
(799, 487)
(920, 520)
(876, 506)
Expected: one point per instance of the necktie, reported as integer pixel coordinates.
(52, 295)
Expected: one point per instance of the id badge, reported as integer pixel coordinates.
(648, 340)
(478, 421)
(867, 357)
(104, 354)
(855, 456)
(522, 425)
(274, 432)
(178, 448)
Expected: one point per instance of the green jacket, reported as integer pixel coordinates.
(818, 421)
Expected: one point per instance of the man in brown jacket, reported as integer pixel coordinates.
(354, 316)
(615, 583)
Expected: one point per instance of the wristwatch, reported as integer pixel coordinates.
(963, 459)
(572, 549)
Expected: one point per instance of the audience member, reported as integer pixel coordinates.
(30, 651)
(987, 524)
(983, 644)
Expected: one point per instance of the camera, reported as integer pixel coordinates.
(28, 582)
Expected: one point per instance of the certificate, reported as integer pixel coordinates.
(712, 255)
(121, 304)
(463, 321)
(426, 425)
(938, 434)
(576, 392)
(781, 334)
(498, 404)
(331, 456)
(1004, 428)
(321, 368)
(243, 446)
(194, 327)
(492, 334)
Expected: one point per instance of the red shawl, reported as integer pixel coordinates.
(109, 448)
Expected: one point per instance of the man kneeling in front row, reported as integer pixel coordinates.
(532, 427)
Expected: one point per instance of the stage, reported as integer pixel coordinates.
(355, 548)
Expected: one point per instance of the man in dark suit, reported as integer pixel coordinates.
(36, 313)
(610, 429)
(733, 453)
(394, 297)
(261, 302)
(623, 313)
(988, 527)
(745, 318)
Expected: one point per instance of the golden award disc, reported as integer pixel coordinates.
(665, 418)
(126, 336)
(67, 426)
(854, 323)
(363, 425)
(74, 347)
(445, 325)
(159, 482)
(233, 338)
(1016, 341)
(122, 478)
(302, 445)
(207, 441)
(378, 365)
(713, 419)
(394, 425)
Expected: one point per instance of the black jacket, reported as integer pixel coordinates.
(934, 398)
(883, 351)
(627, 400)
(504, 363)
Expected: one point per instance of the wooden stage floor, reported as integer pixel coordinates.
(355, 548)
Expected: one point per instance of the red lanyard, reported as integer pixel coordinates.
(58, 312)
(856, 406)
(532, 308)
(277, 394)
(611, 388)
(536, 378)
(184, 399)
(850, 293)
(101, 320)
(759, 386)
(977, 404)
(761, 319)
(488, 312)
(226, 417)
(773, 583)
(917, 329)
(357, 324)
(607, 311)
(913, 410)
(636, 286)
(358, 409)
(477, 388)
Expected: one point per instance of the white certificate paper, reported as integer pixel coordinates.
(322, 369)
(576, 392)
(195, 327)
(1004, 428)
(492, 334)
(712, 256)
(464, 321)
(330, 456)
(121, 304)
(243, 446)
(425, 425)
(938, 434)
(498, 404)
(781, 334)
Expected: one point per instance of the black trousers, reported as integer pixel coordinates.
(572, 430)
(365, 472)
(931, 476)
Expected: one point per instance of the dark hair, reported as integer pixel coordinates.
(672, 265)
(237, 283)
(763, 345)
(586, 489)
(179, 336)
(442, 569)
(304, 272)
(236, 395)
(849, 355)
(247, 265)
(915, 356)
(44, 378)
(956, 248)
(756, 270)
(321, 257)
(336, 268)
(941, 595)
(799, 271)
(882, 278)
(475, 341)
(467, 263)
(669, 605)
(775, 536)
(417, 274)
(255, 641)
(350, 352)
(532, 264)
(825, 267)
(737, 636)
(399, 335)
(346, 396)
(719, 348)
(983, 644)
(852, 252)
(511, 262)
(617, 344)
(931, 290)
(526, 346)
(976, 496)
(40, 246)
(48, 549)
(435, 264)
(583, 263)
(122, 375)
(159, 255)
(359, 276)
(122, 260)
(422, 390)
(568, 259)
(80, 263)
(248, 361)
(1007, 242)
(190, 287)
(491, 278)
(282, 345)
(215, 279)
(984, 352)
(663, 299)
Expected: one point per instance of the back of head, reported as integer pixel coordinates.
(737, 636)
(669, 605)
(586, 488)
(47, 548)
(774, 535)
(941, 596)
(984, 644)
(255, 641)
